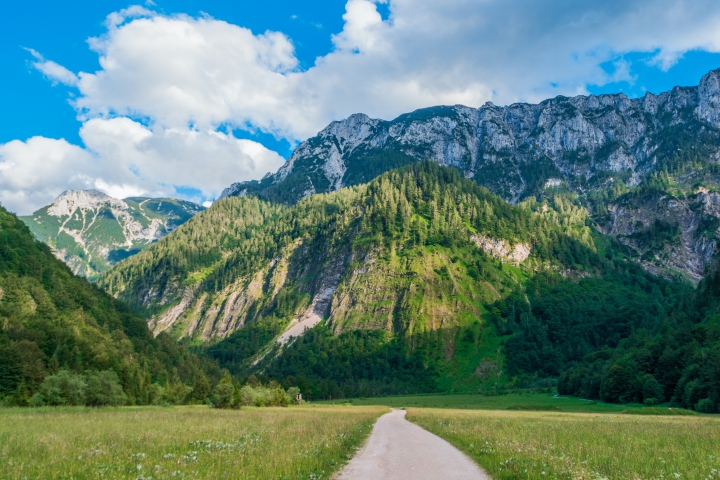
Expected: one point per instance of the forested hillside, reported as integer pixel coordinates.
(426, 282)
(398, 240)
(52, 322)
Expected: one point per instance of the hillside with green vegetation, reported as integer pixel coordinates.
(91, 231)
(67, 341)
(423, 245)
(423, 281)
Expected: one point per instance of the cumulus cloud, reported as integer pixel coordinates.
(189, 78)
(181, 70)
(124, 158)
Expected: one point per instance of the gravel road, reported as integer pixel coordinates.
(400, 450)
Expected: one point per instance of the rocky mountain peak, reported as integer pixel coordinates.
(709, 98)
(71, 200)
(590, 144)
(90, 230)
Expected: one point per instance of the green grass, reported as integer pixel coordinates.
(534, 401)
(180, 442)
(549, 445)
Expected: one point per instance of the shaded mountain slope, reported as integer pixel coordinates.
(50, 320)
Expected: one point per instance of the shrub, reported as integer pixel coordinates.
(63, 388)
(652, 390)
(292, 394)
(223, 394)
(706, 406)
(177, 394)
(247, 395)
(103, 388)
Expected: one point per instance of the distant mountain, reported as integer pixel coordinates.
(91, 231)
(645, 168)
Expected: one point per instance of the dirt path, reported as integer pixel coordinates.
(399, 450)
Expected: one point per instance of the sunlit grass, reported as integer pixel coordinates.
(181, 442)
(542, 445)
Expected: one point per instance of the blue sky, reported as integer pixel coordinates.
(32, 106)
(182, 98)
(650, 78)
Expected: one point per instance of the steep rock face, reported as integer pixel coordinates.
(592, 145)
(90, 231)
(513, 150)
(669, 233)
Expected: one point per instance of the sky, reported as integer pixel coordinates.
(183, 97)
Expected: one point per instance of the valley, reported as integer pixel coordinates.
(317, 441)
(360, 240)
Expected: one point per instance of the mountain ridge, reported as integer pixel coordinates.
(599, 147)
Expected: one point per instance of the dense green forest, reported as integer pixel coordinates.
(675, 359)
(57, 327)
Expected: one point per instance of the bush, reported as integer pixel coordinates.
(248, 396)
(223, 395)
(292, 394)
(94, 389)
(177, 394)
(652, 390)
(64, 388)
(103, 388)
(706, 406)
(272, 395)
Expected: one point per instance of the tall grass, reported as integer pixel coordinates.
(543, 445)
(180, 442)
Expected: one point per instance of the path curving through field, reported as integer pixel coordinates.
(400, 450)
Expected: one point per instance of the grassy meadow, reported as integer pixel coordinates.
(542, 445)
(511, 436)
(181, 442)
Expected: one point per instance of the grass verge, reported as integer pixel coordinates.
(181, 442)
(548, 445)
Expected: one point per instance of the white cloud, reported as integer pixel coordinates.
(188, 78)
(36, 171)
(124, 158)
(180, 70)
(53, 71)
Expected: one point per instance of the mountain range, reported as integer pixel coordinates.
(632, 162)
(569, 245)
(91, 231)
